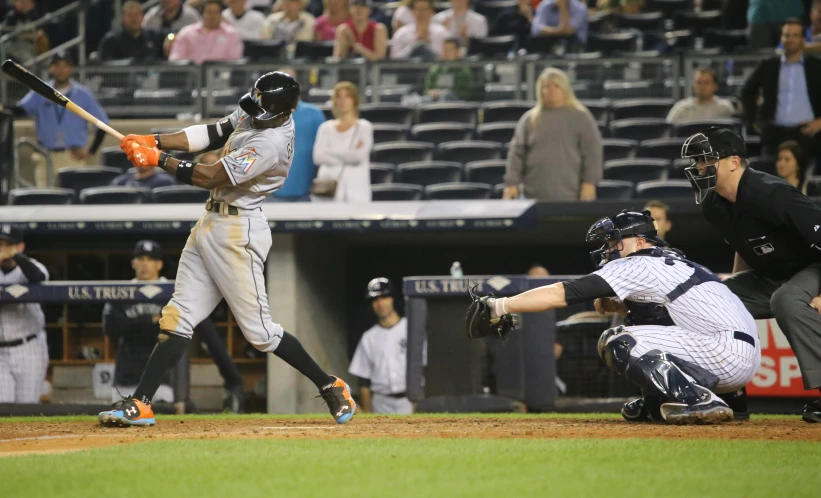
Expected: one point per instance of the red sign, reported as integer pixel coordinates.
(779, 374)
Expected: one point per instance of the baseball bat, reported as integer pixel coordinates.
(21, 74)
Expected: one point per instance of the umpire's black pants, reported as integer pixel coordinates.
(788, 301)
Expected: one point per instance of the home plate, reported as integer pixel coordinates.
(298, 428)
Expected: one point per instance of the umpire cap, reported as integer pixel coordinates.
(148, 248)
(623, 225)
(13, 235)
(379, 287)
(709, 147)
(273, 95)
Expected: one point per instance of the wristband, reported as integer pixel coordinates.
(162, 162)
(185, 172)
(157, 140)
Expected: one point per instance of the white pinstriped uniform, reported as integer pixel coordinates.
(22, 368)
(706, 317)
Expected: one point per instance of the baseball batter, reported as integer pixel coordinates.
(712, 346)
(225, 254)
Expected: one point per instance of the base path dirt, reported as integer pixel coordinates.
(52, 437)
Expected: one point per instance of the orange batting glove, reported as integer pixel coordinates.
(144, 140)
(141, 156)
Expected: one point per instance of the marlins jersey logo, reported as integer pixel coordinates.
(247, 159)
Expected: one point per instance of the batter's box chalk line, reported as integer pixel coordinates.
(298, 428)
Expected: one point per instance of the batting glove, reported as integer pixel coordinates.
(141, 156)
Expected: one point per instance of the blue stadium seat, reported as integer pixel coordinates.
(496, 132)
(764, 164)
(437, 133)
(426, 173)
(457, 191)
(641, 108)
(614, 190)
(615, 148)
(396, 192)
(465, 151)
(640, 129)
(636, 170)
(40, 196)
(115, 158)
(387, 113)
(505, 110)
(664, 148)
(382, 173)
(664, 189)
(78, 178)
(385, 132)
(402, 152)
(179, 194)
(447, 112)
(112, 195)
(491, 171)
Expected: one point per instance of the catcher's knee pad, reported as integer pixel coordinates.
(656, 374)
(614, 348)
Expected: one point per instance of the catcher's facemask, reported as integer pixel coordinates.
(702, 171)
(605, 232)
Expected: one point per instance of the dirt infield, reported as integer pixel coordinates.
(51, 437)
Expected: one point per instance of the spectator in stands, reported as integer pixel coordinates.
(449, 82)
(814, 31)
(660, 212)
(132, 41)
(291, 24)
(564, 20)
(765, 18)
(24, 359)
(170, 16)
(538, 271)
(792, 167)
(402, 15)
(556, 152)
(343, 149)
(248, 22)
(462, 22)
(703, 104)
(516, 21)
(423, 38)
(146, 178)
(360, 36)
(26, 45)
(791, 87)
(62, 133)
(620, 6)
(307, 118)
(336, 14)
(208, 40)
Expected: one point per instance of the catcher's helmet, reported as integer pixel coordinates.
(623, 225)
(379, 287)
(706, 149)
(272, 95)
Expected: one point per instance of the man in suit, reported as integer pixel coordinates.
(790, 85)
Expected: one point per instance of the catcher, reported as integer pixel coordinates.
(710, 347)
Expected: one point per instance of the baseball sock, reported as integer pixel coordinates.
(290, 351)
(166, 354)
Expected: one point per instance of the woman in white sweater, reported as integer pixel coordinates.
(343, 148)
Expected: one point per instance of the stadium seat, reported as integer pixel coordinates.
(728, 39)
(437, 133)
(402, 152)
(426, 173)
(664, 189)
(492, 8)
(112, 195)
(670, 41)
(642, 108)
(495, 112)
(640, 129)
(664, 148)
(754, 147)
(677, 168)
(627, 89)
(491, 171)
(384, 132)
(764, 164)
(645, 21)
(447, 112)
(604, 129)
(496, 132)
(611, 43)
(465, 151)
(264, 50)
(314, 50)
(699, 22)
(179, 194)
(40, 196)
(498, 190)
(492, 46)
(115, 158)
(615, 148)
(457, 191)
(396, 192)
(614, 190)
(387, 113)
(636, 170)
(78, 178)
(667, 7)
(382, 173)
(688, 128)
(600, 109)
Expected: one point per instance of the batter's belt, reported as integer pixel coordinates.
(221, 208)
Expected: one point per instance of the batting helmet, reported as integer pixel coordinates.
(706, 149)
(273, 95)
(379, 287)
(623, 225)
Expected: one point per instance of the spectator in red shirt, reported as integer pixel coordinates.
(360, 36)
(336, 13)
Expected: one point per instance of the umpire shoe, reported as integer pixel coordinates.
(338, 398)
(710, 410)
(737, 401)
(642, 410)
(127, 412)
(812, 412)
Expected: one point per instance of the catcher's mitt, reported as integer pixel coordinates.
(478, 322)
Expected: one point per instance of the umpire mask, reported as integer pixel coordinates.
(706, 149)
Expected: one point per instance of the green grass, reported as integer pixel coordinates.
(387, 468)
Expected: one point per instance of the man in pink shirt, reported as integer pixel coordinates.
(208, 40)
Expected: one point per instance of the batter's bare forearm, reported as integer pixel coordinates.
(543, 298)
(205, 176)
(174, 141)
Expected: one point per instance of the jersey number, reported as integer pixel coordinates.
(290, 148)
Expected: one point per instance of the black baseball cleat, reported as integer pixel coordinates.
(812, 412)
(737, 401)
(709, 410)
(642, 410)
(338, 398)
